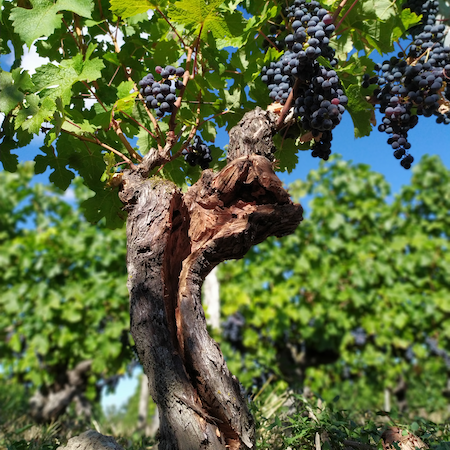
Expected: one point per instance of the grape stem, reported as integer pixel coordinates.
(125, 141)
(212, 117)
(152, 119)
(267, 39)
(167, 147)
(345, 15)
(339, 9)
(427, 51)
(77, 42)
(185, 143)
(191, 134)
(171, 26)
(284, 136)
(116, 126)
(101, 144)
(99, 4)
(139, 124)
(79, 33)
(95, 95)
(114, 75)
(171, 138)
(197, 46)
(401, 48)
(287, 106)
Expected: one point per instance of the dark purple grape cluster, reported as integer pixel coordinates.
(279, 83)
(312, 28)
(274, 38)
(360, 336)
(320, 106)
(162, 95)
(428, 10)
(319, 99)
(232, 329)
(197, 154)
(412, 84)
(322, 145)
(321, 102)
(434, 349)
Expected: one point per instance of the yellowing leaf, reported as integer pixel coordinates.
(126, 97)
(129, 8)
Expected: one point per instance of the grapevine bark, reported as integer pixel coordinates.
(50, 402)
(174, 241)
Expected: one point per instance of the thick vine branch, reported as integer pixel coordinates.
(174, 241)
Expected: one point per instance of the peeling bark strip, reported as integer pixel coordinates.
(174, 241)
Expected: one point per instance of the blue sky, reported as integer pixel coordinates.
(427, 137)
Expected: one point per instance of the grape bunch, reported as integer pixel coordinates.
(434, 349)
(197, 153)
(429, 10)
(360, 336)
(232, 329)
(319, 99)
(274, 37)
(414, 82)
(321, 102)
(161, 95)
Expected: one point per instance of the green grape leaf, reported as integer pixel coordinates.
(125, 89)
(57, 81)
(144, 141)
(400, 24)
(84, 157)
(9, 160)
(34, 114)
(22, 79)
(226, 26)
(42, 114)
(128, 8)
(127, 96)
(61, 176)
(209, 131)
(78, 128)
(360, 110)
(286, 155)
(106, 204)
(172, 171)
(43, 18)
(10, 96)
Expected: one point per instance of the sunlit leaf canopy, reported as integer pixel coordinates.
(357, 299)
(63, 281)
(85, 98)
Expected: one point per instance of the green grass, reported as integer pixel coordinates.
(284, 422)
(292, 422)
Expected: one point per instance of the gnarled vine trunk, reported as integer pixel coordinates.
(49, 402)
(174, 241)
